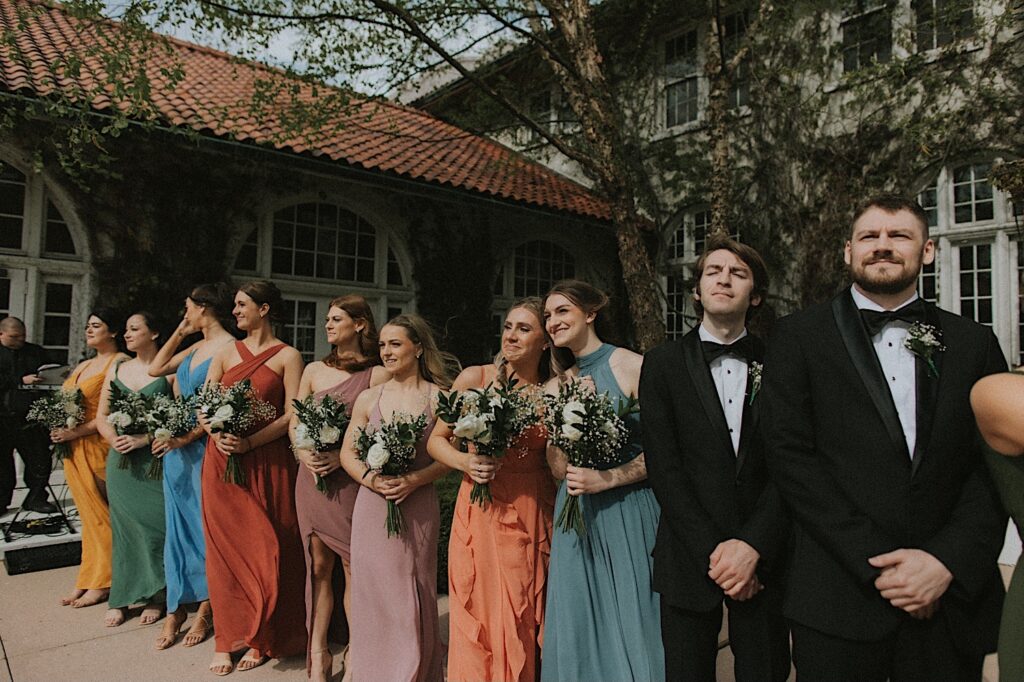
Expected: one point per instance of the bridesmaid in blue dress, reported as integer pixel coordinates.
(207, 311)
(603, 618)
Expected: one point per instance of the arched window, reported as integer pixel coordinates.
(43, 271)
(316, 251)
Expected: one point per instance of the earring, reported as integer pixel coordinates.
(419, 354)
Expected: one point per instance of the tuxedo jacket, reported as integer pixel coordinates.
(839, 460)
(708, 493)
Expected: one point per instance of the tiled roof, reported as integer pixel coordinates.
(214, 98)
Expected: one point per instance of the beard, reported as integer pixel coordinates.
(885, 284)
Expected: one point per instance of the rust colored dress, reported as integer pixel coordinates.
(254, 560)
(497, 569)
(83, 469)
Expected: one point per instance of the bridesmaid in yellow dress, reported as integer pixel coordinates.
(85, 469)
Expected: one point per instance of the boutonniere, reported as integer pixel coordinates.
(754, 379)
(924, 341)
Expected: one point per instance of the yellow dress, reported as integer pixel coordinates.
(84, 469)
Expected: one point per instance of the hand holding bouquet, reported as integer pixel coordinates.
(492, 419)
(234, 409)
(321, 426)
(167, 418)
(128, 417)
(61, 409)
(390, 450)
(588, 427)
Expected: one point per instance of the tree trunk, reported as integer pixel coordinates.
(718, 130)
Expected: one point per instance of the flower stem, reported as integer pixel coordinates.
(481, 494)
(233, 472)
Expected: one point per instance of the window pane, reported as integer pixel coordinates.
(58, 237)
(323, 241)
(867, 38)
(976, 282)
(538, 265)
(57, 319)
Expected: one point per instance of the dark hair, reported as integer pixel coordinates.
(153, 322)
(554, 361)
(265, 292)
(587, 298)
(892, 203)
(217, 298)
(359, 310)
(750, 257)
(114, 319)
(435, 365)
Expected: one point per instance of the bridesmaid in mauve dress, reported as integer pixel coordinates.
(325, 519)
(207, 311)
(254, 564)
(86, 468)
(394, 600)
(498, 553)
(136, 499)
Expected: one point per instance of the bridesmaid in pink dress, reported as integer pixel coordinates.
(498, 554)
(253, 555)
(325, 519)
(394, 604)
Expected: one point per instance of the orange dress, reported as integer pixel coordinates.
(497, 569)
(254, 559)
(83, 470)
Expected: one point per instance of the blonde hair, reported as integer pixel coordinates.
(435, 365)
(553, 361)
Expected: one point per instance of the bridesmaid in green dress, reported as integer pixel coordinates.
(998, 402)
(136, 501)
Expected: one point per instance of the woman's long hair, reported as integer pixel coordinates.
(359, 310)
(553, 361)
(587, 298)
(435, 365)
(264, 291)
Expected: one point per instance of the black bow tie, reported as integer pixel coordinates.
(742, 348)
(875, 320)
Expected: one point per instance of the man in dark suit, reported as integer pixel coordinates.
(722, 528)
(873, 447)
(19, 363)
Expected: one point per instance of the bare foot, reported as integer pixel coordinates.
(253, 659)
(71, 598)
(201, 626)
(222, 663)
(151, 614)
(115, 617)
(321, 664)
(91, 598)
(169, 635)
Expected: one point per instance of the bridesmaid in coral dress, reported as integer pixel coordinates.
(85, 470)
(325, 519)
(254, 561)
(394, 601)
(498, 554)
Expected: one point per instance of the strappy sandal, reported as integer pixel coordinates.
(201, 628)
(222, 669)
(247, 663)
(170, 632)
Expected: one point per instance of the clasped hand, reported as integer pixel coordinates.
(481, 468)
(125, 444)
(62, 435)
(230, 444)
(912, 580)
(393, 488)
(732, 566)
(319, 463)
(584, 481)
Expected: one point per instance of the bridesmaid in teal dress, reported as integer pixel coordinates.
(603, 618)
(998, 403)
(207, 311)
(136, 500)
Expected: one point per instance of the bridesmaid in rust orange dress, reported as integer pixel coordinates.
(498, 554)
(254, 559)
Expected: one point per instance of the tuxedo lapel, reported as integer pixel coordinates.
(927, 392)
(748, 428)
(703, 384)
(862, 353)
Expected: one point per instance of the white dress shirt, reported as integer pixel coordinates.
(898, 364)
(730, 376)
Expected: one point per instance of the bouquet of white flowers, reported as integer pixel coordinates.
(589, 428)
(322, 424)
(391, 450)
(127, 415)
(60, 409)
(492, 419)
(166, 418)
(234, 409)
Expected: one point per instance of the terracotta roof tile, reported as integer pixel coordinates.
(214, 96)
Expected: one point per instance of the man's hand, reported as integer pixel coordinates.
(732, 568)
(911, 579)
(30, 379)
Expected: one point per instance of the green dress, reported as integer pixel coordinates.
(1008, 473)
(137, 521)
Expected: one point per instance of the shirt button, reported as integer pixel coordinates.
(894, 378)
(728, 371)
(730, 430)
(890, 344)
(730, 401)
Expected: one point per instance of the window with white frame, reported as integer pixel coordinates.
(537, 265)
(734, 28)
(679, 314)
(317, 251)
(940, 22)
(682, 89)
(866, 30)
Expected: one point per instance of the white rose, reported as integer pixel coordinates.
(571, 433)
(470, 426)
(377, 456)
(329, 434)
(71, 422)
(573, 412)
(162, 434)
(223, 414)
(302, 439)
(119, 419)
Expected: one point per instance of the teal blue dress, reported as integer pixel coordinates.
(185, 546)
(603, 620)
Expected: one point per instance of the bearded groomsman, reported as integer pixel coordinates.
(873, 448)
(722, 528)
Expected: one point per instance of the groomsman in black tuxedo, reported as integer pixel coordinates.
(722, 528)
(873, 448)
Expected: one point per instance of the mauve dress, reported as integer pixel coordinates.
(254, 564)
(329, 515)
(394, 597)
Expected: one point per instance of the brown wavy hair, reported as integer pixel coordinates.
(435, 365)
(587, 298)
(264, 291)
(359, 310)
(553, 362)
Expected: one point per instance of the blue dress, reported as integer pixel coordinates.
(603, 620)
(185, 546)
